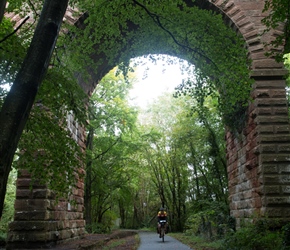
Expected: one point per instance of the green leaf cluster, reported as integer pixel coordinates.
(114, 32)
(278, 12)
(111, 164)
(8, 211)
(254, 236)
(11, 54)
(48, 147)
(182, 155)
(185, 155)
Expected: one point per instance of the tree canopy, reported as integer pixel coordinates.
(111, 33)
(278, 14)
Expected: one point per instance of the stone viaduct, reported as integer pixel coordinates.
(258, 162)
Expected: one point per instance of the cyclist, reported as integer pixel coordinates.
(162, 215)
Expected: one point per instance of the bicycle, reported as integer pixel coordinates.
(162, 229)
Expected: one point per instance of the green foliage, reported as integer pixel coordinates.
(12, 53)
(8, 211)
(208, 219)
(119, 243)
(106, 226)
(129, 29)
(115, 31)
(165, 157)
(231, 107)
(197, 242)
(278, 12)
(14, 45)
(47, 148)
(201, 135)
(254, 237)
(286, 235)
(111, 161)
(185, 155)
(249, 237)
(25, 8)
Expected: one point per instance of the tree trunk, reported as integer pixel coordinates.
(88, 188)
(2, 9)
(19, 101)
(195, 171)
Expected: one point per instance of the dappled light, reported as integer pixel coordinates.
(157, 75)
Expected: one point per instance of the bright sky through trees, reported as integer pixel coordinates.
(157, 80)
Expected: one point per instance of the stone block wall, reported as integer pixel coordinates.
(259, 158)
(40, 221)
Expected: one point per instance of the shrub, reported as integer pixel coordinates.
(210, 222)
(105, 226)
(256, 236)
(8, 210)
(286, 236)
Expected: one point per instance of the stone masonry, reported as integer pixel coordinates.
(40, 222)
(258, 158)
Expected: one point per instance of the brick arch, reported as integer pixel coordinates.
(243, 17)
(258, 162)
(258, 159)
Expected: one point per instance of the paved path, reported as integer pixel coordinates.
(151, 241)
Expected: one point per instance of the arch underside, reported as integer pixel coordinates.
(258, 159)
(252, 160)
(245, 23)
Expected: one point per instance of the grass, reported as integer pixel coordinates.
(195, 242)
(114, 243)
(130, 242)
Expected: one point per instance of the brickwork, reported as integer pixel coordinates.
(258, 159)
(259, 162)
(40, 222)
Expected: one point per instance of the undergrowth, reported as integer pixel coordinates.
(261, 235)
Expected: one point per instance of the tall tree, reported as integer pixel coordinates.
(2, 9)
(167, 158)
(110, 27)
(187, 159)
(19, 101)
(109, 150)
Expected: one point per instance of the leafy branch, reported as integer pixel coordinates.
(33, 8)
(279, 13)
(156, 19)
(11, 34)
(107, 150)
